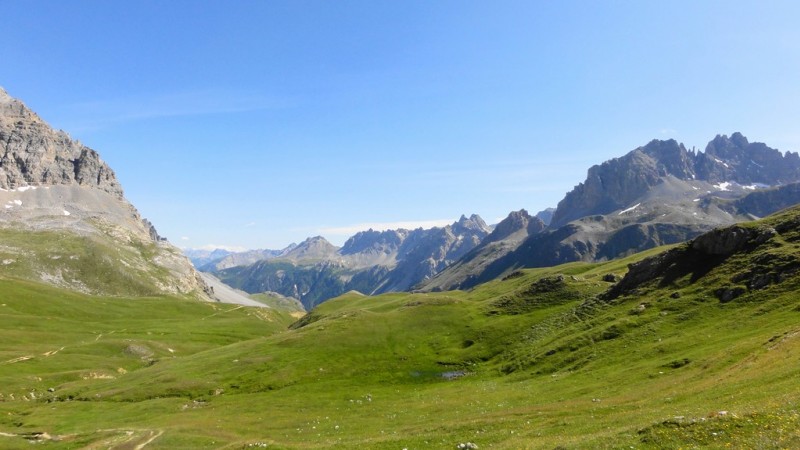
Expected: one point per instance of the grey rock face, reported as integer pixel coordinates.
(32, 153)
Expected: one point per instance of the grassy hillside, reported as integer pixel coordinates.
(108, 263)
(538, 360)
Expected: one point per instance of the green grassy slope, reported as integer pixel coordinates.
(108, 263)
(537, 360)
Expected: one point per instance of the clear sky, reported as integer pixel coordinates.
(254, 124)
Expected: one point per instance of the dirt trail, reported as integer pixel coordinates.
(16, 360)
(153, 437)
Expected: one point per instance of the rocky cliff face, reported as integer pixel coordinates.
(34, 154)
(50, 183)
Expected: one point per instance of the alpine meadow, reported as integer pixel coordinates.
(632, 281)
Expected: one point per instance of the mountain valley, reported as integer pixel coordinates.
(655, 307)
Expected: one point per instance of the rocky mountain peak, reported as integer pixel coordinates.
(33, 154)
(515, 221)
(736, 159)
(671, 157)
(473, 223)
(612, 184)
(312, 248)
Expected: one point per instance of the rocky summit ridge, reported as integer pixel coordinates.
(614, 184)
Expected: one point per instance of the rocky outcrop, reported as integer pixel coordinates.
(697, 258)
(151, 230)
(33, 154)
(726, 241)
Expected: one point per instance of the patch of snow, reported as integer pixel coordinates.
(755, 186)
(17, 202)
(66, 213)
(695, 188)
(721, 162)
(756, 164)
(696, 200)
(25, 188)
(629, 209)
(724, 186)
(9, 206)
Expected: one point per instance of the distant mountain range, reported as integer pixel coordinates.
(657, 194)
(370, 262)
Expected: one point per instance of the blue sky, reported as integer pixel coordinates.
(253, 124)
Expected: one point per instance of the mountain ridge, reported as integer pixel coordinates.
(370, 262)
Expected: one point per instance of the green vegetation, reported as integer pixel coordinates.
(290, 279)
(537, 360)
(278, 301)
(99, 263)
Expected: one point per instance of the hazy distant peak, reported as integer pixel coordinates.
(546, 215)
(472, 223)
